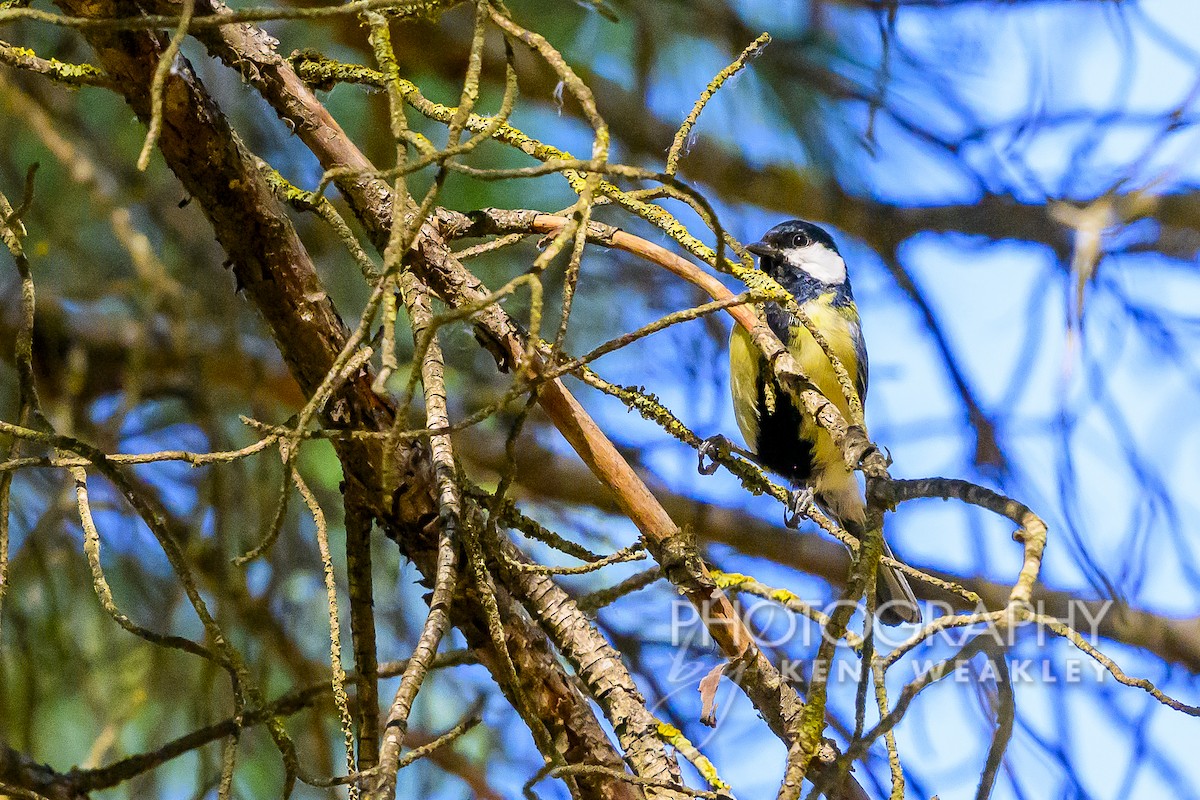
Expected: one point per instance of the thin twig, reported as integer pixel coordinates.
(165, 63)
(683, 135)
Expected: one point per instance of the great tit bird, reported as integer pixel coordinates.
(805, 261)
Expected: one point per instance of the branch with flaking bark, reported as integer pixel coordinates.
(598, 665)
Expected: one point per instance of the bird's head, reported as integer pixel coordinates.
(797, 246)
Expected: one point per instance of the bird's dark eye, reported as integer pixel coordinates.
(799, 240)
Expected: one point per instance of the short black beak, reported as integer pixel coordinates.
(763, 250)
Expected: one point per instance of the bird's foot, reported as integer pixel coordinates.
(715, 448)
(872, 450)
(800, 502)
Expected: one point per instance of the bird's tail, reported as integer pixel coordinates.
(896, 602)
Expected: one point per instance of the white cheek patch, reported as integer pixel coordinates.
(818, 261)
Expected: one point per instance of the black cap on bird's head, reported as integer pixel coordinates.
(800, 245)
(792, 234)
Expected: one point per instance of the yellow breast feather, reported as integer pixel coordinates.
(839, 331)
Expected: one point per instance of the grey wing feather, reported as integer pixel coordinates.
(860, 352)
